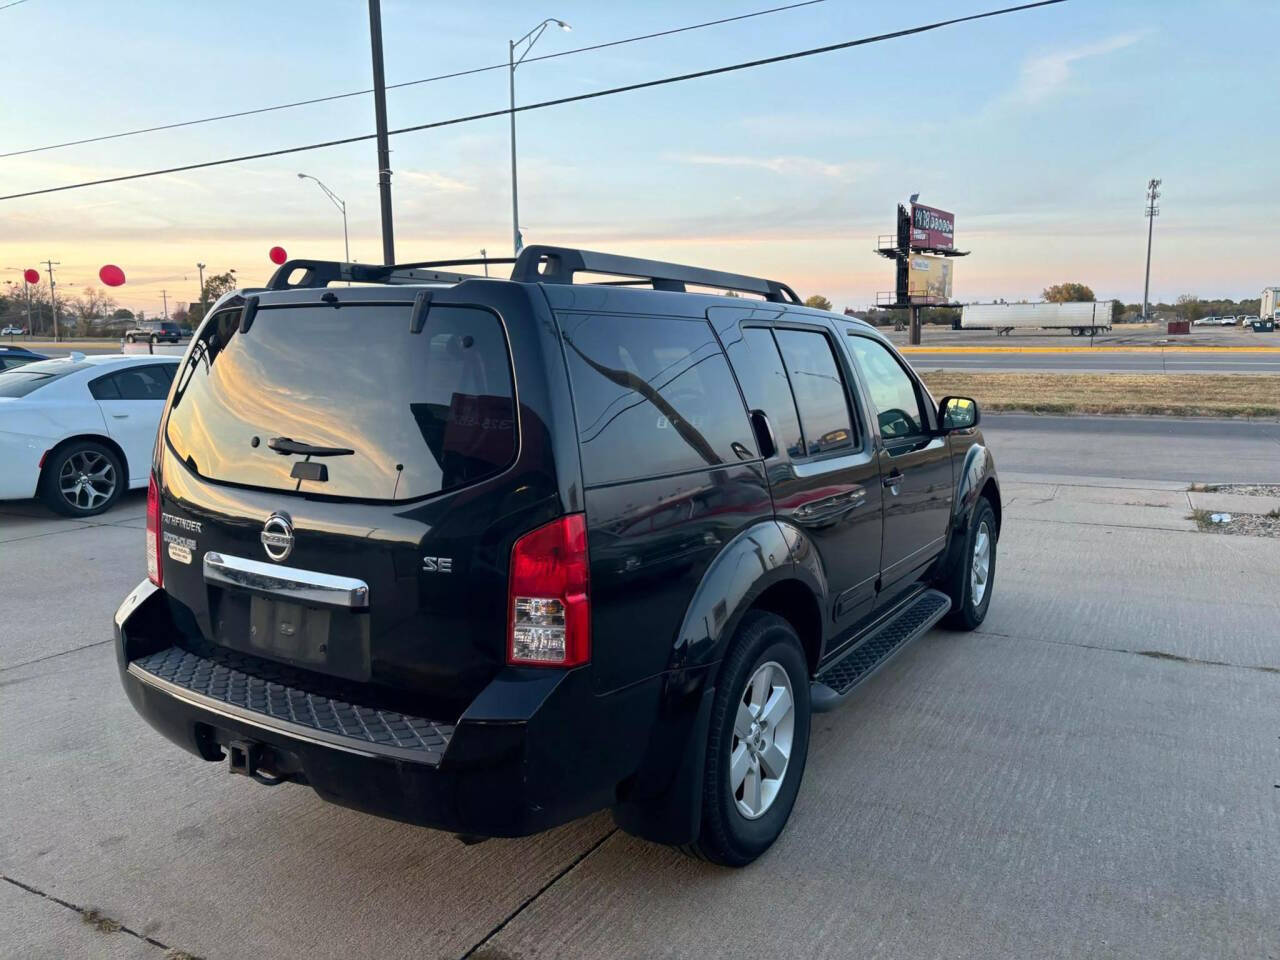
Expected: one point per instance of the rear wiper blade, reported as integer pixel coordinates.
(289, 445)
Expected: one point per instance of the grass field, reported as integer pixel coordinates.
(1186, 395)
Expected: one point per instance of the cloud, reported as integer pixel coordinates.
(436, 181)
(1046, 74)
(788, 164)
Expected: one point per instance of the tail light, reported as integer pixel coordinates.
(548, 606)
(154, 573)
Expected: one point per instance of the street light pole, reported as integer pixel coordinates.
(53, 297)
(204, 303)
(338, 202)
(513, 62)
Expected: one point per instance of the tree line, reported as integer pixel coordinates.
(93, 311)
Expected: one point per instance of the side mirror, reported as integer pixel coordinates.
(958, 413)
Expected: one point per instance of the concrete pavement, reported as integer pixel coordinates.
(1090, 774)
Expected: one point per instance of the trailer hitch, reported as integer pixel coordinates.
(245, 759)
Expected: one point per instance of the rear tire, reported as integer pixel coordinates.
(128, 339)
(82, 479)
(969, 589)
(757, 746)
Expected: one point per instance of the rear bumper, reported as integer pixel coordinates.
(535, 749)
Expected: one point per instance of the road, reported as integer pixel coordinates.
(1092, 773)
(1085, 360)
(1143, 448)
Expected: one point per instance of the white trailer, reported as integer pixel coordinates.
(1270, 307)
(1082, 319)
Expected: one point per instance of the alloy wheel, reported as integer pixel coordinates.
(763, 731)
(87, 479)
(980, 568)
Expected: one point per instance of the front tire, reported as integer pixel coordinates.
(83, 479)
(758, 742)
(971, 583)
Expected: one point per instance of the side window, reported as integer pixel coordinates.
(755, 359)
(819, 390)
(653, 395)
(104, 388)
(892, 390)
(141, 383)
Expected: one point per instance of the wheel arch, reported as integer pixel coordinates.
(757, 570)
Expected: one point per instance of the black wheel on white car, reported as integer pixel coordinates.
(82, 479)
(758, 742)
(153, 339)
(970, 584)
(129, 338)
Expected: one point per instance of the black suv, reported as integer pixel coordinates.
(154, 331)
(540, 546)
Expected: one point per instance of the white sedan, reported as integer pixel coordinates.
(79, 431)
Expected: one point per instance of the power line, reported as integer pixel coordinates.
(14, 4)
(627, 88)
(406, 83)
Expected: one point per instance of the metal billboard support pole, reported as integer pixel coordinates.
(913, 333)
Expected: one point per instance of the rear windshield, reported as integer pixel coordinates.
(420, 413)
(33, 376)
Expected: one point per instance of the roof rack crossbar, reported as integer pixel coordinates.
(544, 264)
(321, 273)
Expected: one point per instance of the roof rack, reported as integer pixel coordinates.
(543, 264)
(536, 264)
(321, 273)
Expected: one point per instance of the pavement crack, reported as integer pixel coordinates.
(529, 900)
(1151, 654)
(54, 656)
(99, 921)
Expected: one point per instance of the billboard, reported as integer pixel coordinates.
(928, 279)
(931, 228)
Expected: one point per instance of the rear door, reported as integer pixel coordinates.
(823, 476)
(915, 465)
(132, 401)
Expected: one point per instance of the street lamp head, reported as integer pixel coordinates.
(564, 26)
(200, 266)
(302, 176)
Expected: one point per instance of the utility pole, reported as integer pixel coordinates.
(165, 294)
(1152, 211)
(53, 297)
(485, 253)
(204, 304)
(380, 114)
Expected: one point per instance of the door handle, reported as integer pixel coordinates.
(892, 480)
(120, 416)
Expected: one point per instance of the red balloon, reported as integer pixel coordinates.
(111, 275)
(277, 255)
(31, 276)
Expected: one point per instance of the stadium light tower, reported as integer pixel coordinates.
(1152, 211)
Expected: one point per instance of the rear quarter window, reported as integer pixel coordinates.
(652, 395)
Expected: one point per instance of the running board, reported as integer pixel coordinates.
(836, 682)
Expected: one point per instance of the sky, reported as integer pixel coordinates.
(1039, 130)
